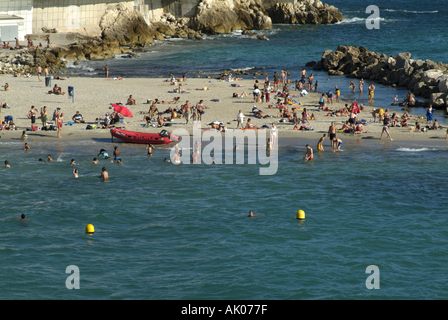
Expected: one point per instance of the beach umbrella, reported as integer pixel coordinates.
(123, 110)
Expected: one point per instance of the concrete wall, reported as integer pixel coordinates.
(70, 15)
(180, 8)
(84, 15)
(19, 8)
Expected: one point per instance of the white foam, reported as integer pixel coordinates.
(415, 149)
(409, 11)
(361, 20)
(351, 20)
(243, 69)
(435, 11)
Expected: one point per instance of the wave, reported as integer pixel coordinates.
(435, 11)
(409, 11)
(415, 149)
(351, 20)
(362, 20)
(242, 69)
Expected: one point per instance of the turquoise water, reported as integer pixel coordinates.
(181, 232)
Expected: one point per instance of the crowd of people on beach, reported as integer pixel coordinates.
(290, 110)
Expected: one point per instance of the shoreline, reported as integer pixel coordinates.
(93, 98)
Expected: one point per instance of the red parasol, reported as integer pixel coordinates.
(123, 110)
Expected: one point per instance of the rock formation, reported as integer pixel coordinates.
(305, 12)
(125, 26)
(215, 16)
(424, 78)
(124, 29)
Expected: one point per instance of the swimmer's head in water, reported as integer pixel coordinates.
(23, 216)
(40, 159)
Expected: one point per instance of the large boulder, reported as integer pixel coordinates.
(284, 13)
(376, 69)
(391, 62)
(443, 83)
(438, 99)
(331, 61)
(125, 26)
(262, 22)
(417, 64)
(431, 75)
(214, 17)
(166, 30)
(305, 11)
(403, 60)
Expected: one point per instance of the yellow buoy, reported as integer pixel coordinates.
(90, 228)
(300, 215)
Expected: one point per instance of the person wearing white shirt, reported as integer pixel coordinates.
(273, 134)
(240, 118)
(256, 94)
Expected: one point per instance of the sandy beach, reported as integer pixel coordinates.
(93, 98)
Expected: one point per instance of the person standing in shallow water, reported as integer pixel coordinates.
(59, 123)
(371, 92)
(308, 154)
(104, 175)
(106, 71)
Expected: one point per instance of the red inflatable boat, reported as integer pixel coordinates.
(140, 137)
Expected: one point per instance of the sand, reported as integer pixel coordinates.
(93, 98)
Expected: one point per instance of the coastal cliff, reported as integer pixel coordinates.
(124, 29)
(216, 16)
(427, 79)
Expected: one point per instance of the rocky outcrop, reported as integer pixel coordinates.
(424, 78)
(125, 26)
(305, 12)
(217, 16)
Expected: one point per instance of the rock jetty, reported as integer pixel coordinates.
(426, 79)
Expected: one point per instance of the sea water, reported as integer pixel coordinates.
(181, 232)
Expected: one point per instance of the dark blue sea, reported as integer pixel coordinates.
(181, 232)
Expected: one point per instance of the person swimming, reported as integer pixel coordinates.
(75, 173)
(104, 154)
(251, 214)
